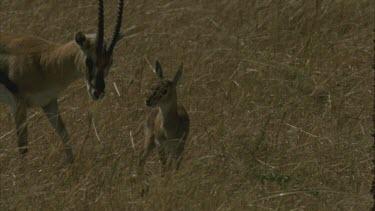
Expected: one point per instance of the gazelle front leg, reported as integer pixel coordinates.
(163, 157)
(147, 148)
(7, 97)
(52, 112)
(20, 115)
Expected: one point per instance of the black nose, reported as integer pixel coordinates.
(100, 85)
(97, 94)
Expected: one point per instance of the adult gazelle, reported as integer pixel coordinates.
(34, 71)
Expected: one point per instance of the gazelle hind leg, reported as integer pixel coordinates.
(20, 116)
(163, 157)
(174, 157)
(52, 112)
(179, 155)
(173, 163)
(176, 163)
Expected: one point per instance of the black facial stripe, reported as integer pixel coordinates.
(96, 78)
(90, 67)
(89, 63)
(99, 82)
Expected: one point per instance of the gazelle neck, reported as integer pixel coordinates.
(169, 111)
(65, 62)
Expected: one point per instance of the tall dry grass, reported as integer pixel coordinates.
(279, 94)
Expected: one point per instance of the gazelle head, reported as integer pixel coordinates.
(97, 55)
(163, 92)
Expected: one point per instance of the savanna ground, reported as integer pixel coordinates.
(279, 94)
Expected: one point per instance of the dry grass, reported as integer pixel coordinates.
(279, 94)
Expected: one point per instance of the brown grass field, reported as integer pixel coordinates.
(279, 94)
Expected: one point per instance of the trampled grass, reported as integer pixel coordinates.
(279, 94)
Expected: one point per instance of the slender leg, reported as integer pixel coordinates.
(52, 112)
(178, 156)
(19, 111)
(173, 157)
(7, 97)
(163, 159)
(148, 147)
(173, 162)
(178, 162)
(20, 116)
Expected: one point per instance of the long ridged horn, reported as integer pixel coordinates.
(100, 33)
(116, 31)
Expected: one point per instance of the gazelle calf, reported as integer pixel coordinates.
(34, 71)
(166, 127)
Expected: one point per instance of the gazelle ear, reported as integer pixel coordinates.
(80, 39)
(158, 70)
(178, 74)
